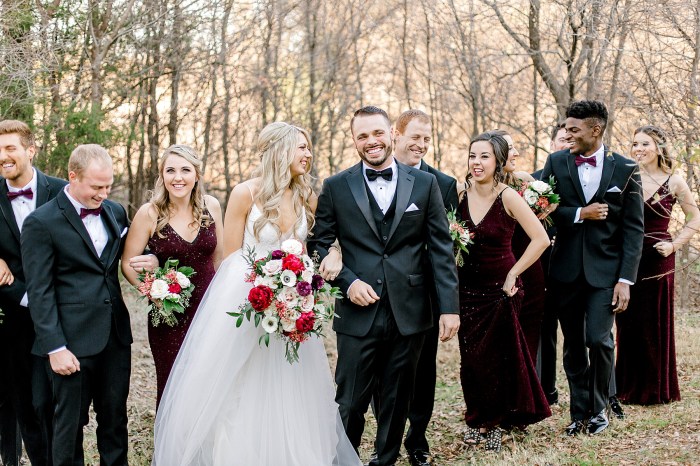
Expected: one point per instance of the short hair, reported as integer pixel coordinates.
(369, 110)
(661, 141)
(408, 116)
(585, 109)
(555, 130)
(21, 129)
(82, 155)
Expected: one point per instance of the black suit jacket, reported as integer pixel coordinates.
(47, 187)
(447, 185)
(74, 296)
(344, 213)
(603, 250)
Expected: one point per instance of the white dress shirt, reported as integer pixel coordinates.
(21, 205)
(93, 224)
(382, 190)
(590, 178)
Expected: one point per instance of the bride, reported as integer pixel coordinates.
(229, 400)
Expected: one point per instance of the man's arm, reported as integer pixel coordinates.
(632, 219)
(451, 200)
(564, 216)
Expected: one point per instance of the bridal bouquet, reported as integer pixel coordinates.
(539, 195)
(461, 238)
(168, 289)
(289, 298)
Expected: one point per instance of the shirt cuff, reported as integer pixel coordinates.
(623, 280)
(25, 300)
(57, 350)
(577, 218)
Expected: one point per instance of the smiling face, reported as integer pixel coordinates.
(644, 150)
(482, 161)
(512, 154)
(179, 176)
(560, 141)
(93, 185)
(584, 136)
(302, 158)
(372, 137)
(16, 160)
(414, 142)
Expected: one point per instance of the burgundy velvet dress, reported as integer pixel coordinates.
(498, 376)
(646, 349)
(532, 309)
(165, 341)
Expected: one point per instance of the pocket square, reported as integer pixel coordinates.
(412, 208)
(124, 232)
(614, 189)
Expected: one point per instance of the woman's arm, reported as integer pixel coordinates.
(518, 209)
(140, 231)
(239, 205)
(214, 209)
(681, 191)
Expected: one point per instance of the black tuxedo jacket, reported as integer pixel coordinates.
(397, 264)
(74, 295)
(602, 250)
(47, 187)
(447, 185)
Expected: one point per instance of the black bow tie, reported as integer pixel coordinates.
(372, 175)
(85, 212)
(28, 193)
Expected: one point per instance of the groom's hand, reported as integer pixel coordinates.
(64, 362)
(362, 294)
(449, 324)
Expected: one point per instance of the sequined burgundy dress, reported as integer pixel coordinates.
(646, 349)
(498, 376)
(165, 341)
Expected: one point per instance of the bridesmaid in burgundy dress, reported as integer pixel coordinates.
(498, 376)
(646, 354)
(182, 223)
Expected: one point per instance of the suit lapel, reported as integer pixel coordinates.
(608, 170)
(356, 182)
(573, 172)
(7, 211)
(43, 190)
(404, 187)
(74, 219)
(113, 233)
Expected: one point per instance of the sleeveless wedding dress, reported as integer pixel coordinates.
(230, 401)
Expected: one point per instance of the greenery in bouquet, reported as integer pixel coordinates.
(539, 195)
(168, 290)
(461, 237)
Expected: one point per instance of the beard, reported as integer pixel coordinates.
(376, 162)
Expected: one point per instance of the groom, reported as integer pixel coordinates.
(71, 248)
(390, 221)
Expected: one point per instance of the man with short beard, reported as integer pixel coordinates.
(23, 188)
(389, 220)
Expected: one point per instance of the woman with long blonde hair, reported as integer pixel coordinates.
(230, 400)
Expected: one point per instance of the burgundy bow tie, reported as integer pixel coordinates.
(28, 193)
(581, 160)
(85, 212)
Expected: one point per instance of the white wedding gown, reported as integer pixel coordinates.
(231, 401)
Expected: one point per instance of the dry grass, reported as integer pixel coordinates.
(661, 435)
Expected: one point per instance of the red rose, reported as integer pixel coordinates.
(174, 288)
(305, 322)
(260, 297)
(292, 263)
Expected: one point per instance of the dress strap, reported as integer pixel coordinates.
(250, 190)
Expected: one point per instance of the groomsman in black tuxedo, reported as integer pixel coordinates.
(412, 138)
(594, 261)
(71, 248)
(23, 188)
(389, 220)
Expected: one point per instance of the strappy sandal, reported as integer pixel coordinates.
(493, 439)
(472, 436)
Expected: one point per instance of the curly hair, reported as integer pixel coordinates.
(500, 151)
(585, 109)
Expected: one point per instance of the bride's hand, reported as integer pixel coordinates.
(331, 265)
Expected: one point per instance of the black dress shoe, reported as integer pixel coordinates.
(575, 428)
(598, 423)
(552, 398)
(616, 407)
(419, 458)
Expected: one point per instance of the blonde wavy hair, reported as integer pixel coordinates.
(160, 197)
(277, 147)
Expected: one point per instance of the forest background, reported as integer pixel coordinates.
(139, 75)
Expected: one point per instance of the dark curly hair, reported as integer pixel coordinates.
(585, 109)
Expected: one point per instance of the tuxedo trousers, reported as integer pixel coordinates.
(10, 439)
(23, 379)
(547, 356)
(103, 380)
(382, 360)
(586, 317)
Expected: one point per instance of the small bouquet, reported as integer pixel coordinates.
(168, 289)
(289, 298)
(461, 238)
(539, 195)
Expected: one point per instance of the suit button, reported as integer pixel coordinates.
(107, 301)
(386, 256)
(384, 238)
(379, 282)
(384, 222)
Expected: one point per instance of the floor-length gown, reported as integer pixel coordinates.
(498, 376)
(230, 401)
(646, 348)
(165, 341)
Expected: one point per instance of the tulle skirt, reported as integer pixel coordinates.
(231, 401)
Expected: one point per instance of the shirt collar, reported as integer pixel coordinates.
(77, 205)
(32, 184)
(598, 154)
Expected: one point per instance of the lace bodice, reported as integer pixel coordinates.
(269, 239)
